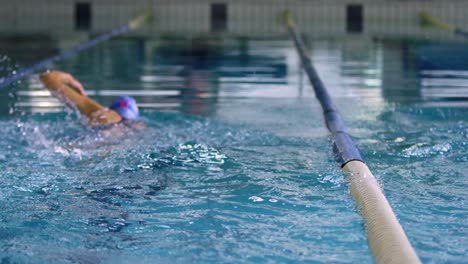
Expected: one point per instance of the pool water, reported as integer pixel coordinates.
(235, 165)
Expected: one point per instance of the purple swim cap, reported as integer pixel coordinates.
(126, 107)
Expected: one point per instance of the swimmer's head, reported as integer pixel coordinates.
(126, 107)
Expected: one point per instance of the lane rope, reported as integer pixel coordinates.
(131, 25)
(386, 237)
(428, 20)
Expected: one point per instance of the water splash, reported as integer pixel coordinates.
(7, 68)
(425, 150)
(256, 199)
(187, 154)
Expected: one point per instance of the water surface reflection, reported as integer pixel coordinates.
(194, 75)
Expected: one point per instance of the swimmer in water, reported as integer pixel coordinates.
(123, 110)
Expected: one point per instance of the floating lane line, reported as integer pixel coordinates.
(428, 20)
(131, 25)
(386, 237)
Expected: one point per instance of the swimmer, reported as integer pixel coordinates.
(123, 110)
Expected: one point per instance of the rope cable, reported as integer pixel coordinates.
(131, 25)
(386, 237)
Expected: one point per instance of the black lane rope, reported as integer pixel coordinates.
(344, 148)
(131, 25)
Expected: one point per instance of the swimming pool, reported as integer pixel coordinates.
(236, 163)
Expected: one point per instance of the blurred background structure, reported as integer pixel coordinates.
(321, 18)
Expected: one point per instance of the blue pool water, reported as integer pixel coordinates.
(236, 164)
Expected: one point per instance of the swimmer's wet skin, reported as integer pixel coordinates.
(65, 87)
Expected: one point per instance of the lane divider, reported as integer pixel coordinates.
(428, 20)
(386, 237)
(131, 25)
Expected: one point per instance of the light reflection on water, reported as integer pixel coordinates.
(192, 76)
(235, 165)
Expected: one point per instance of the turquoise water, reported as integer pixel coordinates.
(235, 165)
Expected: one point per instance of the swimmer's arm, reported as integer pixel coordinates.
(71, 92)
(73, 83)
(63, 86)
